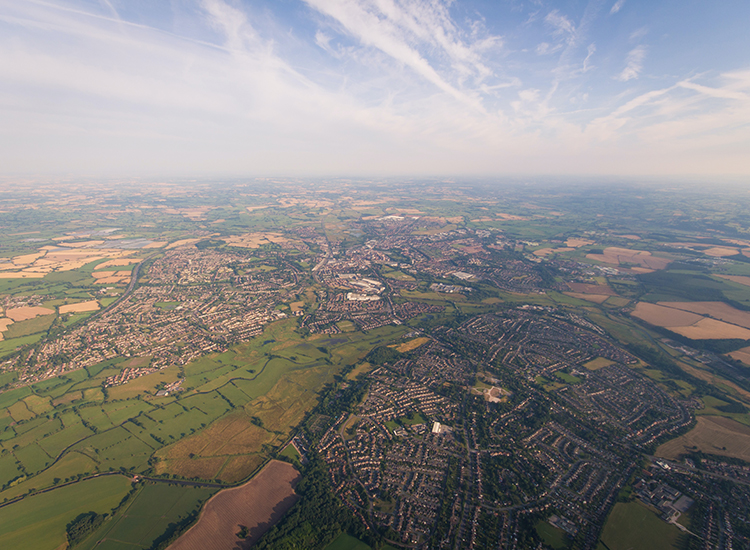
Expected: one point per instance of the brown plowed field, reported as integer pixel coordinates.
(713, 435)
(257, 505)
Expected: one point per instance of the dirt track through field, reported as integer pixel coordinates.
(257, 505)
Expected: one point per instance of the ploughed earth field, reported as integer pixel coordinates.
(254, 506)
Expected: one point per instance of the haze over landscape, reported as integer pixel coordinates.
(374, 275)
(366, 87)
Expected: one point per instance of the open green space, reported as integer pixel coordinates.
(147, 515)
(633, 525)
(347, 542)
(38, 522)
(553, 537)
(567, 378)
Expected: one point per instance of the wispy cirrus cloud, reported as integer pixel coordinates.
(561, 24)
(617, 6)
(420, 35)
(633, 64)
(389, 86)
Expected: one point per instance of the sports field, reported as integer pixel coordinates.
(632, 525)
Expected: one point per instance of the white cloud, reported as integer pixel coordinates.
(323, 40)
(617, 6)
(633, 64)
(421, 36)
(589, 53)
(545, 48)
(405, 89)
(562, 24)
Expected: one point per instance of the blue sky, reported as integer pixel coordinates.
(374, 87)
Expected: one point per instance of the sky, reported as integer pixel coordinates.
(375, 87)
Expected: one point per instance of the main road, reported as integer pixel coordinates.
(131, 287)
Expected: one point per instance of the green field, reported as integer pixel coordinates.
(633, 525)
(291, 453)
(38, 522)
(147, 515)
(347, 542)
(567, 378)
(66, 426)
(553, 537)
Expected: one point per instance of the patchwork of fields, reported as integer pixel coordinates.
(235, 410)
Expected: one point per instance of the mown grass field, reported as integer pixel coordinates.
(347, 542)
(553, 537)
(632, 525)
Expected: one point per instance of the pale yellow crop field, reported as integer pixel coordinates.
(27, 312)
(741, 355)
(412, 344)
(662, 316)
(617, 256)
(737, 279)
(721, 251)
(711, 329)
(717, 310)
(689, 324)
(255, 240)
(80, 307)
(55, 258)
(577, 243)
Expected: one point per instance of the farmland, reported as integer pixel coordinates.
(39, 521)
(200, 330)
(685, 320)
(147, 515)
(255, 505)
(712, 435)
